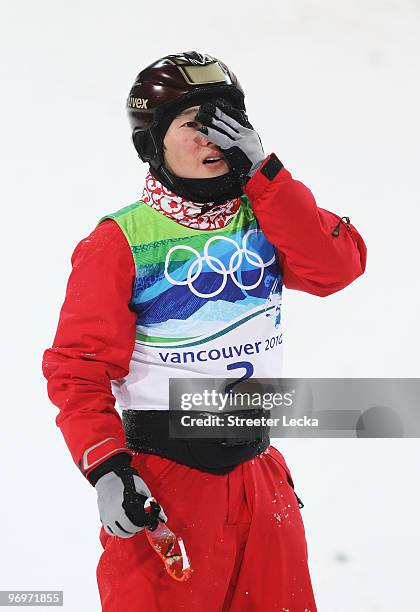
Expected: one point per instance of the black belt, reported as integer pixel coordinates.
(152, 432)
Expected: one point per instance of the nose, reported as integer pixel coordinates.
(201, 139)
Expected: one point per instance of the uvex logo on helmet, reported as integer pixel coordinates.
(137, 102)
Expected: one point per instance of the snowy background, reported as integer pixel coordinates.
(333, 88)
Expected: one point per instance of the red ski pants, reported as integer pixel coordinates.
(243, 533)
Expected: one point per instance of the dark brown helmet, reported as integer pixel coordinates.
(167, 87)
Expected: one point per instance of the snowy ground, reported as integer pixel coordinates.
(332, 87)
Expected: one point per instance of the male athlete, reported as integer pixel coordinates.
(186, 282)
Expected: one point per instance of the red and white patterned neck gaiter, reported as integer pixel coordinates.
(183, 211)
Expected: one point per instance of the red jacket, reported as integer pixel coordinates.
(95, 337)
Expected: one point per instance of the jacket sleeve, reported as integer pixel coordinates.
(319, 253)
(93, 345)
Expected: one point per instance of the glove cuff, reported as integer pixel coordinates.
(253, 171)
(110, 465)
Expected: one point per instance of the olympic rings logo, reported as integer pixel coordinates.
(196, 266)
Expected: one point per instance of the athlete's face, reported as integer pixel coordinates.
(186, 150)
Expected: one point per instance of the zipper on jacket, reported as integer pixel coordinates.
(336, 230)
(299, 501)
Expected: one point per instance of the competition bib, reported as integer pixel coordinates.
(208, 303)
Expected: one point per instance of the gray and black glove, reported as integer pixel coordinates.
(230, 130)
(121, 497)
